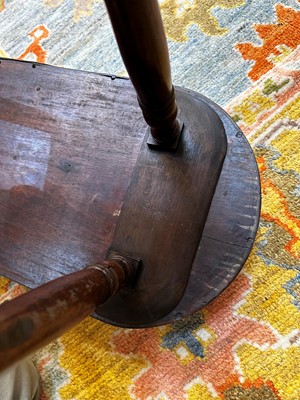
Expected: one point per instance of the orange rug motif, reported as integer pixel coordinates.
(246, 344)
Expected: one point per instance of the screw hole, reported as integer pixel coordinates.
(33, 65)
(113, 77)
(38, 89)
(178, 316)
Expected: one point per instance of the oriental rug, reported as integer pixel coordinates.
(245, 55)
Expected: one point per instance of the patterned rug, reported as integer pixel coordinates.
(245, 55)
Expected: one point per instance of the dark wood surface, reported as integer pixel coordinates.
(228, 235)
(231, 225)
(142, 42)
(34, 319)
(66, 157)
(69, 143)
(164, 213)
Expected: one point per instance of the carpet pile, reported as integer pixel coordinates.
(244, 55)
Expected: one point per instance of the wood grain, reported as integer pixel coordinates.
(164, 213)
(139, 31)
(36, 318)
(67, 154)
(63, 173)
(231, 225)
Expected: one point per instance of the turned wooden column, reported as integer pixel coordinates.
(142, 42)
(36, 318)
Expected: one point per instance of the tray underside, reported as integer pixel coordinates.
(69, 142)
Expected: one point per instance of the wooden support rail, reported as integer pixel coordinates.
(142, 42)
(43, 314)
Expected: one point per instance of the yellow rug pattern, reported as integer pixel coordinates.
(246, 344)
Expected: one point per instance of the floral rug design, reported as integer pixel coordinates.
(245, 345)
